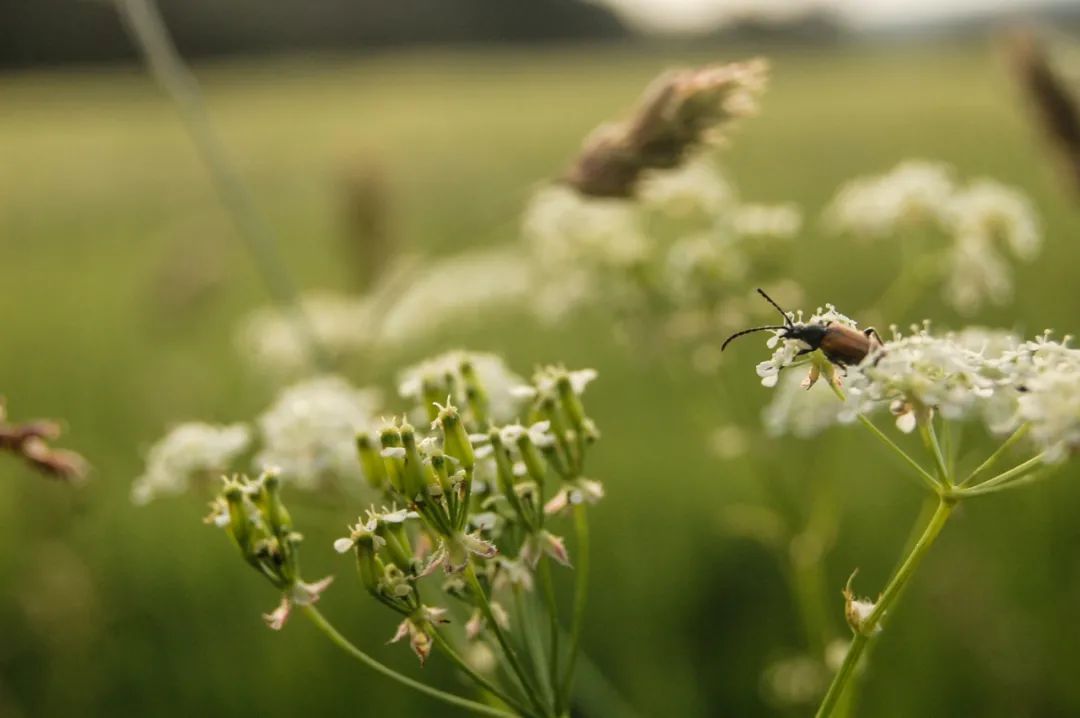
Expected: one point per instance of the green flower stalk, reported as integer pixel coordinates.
(1017, 389)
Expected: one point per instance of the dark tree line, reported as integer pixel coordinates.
(61, 31)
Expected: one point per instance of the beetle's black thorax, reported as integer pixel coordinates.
(811, 334)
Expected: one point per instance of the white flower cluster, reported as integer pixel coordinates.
(307, 437)
(918, 372)
(983, 375)
(188, 452)
(984, 220)
(407, 306)
(911, 194)
(1048, 374)
(309, 433)
(684, 248)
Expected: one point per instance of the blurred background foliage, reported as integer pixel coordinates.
(121, 284)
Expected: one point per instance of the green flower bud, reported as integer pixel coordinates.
(393, 460)
(441, 472)
(413, 481)
(477, 397)
(370, 461)
(455, 438)
(273, 509)
(571, 402)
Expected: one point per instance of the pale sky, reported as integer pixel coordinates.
(683, 15)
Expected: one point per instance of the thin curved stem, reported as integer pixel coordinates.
(508, 650)
(927, 478)
(534, 644)
(1016, 436)
(887, 600)
(581, 597)
(476, 677)
(344, 644)
(548, 587)
(1006, 478)
(148, 30)
(929, 436)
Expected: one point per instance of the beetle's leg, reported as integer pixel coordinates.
(804, 351)
(871, 333)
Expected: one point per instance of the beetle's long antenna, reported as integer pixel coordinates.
(787, 319)
(736, 335)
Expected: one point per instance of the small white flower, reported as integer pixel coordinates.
(189, 451)
(310, 431)
(915, 192)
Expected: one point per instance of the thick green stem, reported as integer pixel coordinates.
(344, 644)
(508, 650)
(581, 596)
(886, 602)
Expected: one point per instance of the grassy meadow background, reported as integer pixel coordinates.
(106, 216)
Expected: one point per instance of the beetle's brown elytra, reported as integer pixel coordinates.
(841, 344)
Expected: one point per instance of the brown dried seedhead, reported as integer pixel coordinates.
(30, 441)
(1054, 106)
(681, 111)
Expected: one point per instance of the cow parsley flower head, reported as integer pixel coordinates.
(1046, 376)
(310, 431)
(920, 372)
(912, 193)
(696, 187)
(189, 452)
(781, 221)
(999, 213)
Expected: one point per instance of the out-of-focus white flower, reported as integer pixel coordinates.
(496, 378)
(189, 451)
(977, 273)
(983, 221)
(274, 341)
(455, 292)
(781, 221)
(310, 431)
(407, 307)
(563, 227)
(801, 411)
(998, 212)
(697, 264)
(696, 187)
(912, 193)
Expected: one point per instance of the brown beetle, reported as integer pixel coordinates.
(841, 344)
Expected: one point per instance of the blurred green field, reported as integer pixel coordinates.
(109, 609)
